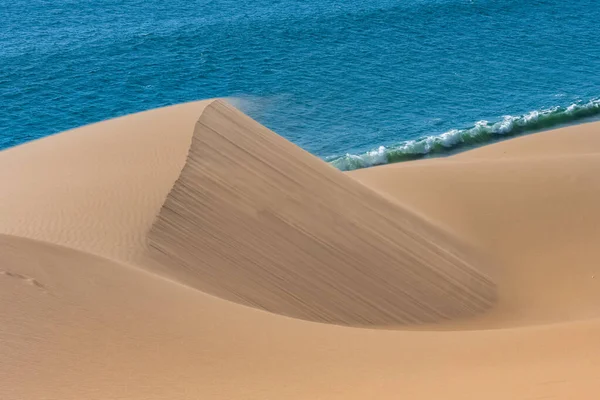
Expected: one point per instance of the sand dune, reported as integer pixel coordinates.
(96, 329)
(84, 315)
(535, 216)
(254, 219)
(97, 188)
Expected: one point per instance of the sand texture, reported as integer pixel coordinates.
(188, 252)
(254, 219)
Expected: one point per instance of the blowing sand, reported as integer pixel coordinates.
(186, 253)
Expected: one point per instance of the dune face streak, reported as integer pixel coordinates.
(255, 219)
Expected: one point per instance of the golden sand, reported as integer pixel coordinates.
(123, 242)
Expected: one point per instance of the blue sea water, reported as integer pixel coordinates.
(355, 82)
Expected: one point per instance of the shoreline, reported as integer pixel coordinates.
(482, 133)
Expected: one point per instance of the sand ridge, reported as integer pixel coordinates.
(81, 317)
(243, 222)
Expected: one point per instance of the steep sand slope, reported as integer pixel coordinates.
(255, 219)
(74, 325)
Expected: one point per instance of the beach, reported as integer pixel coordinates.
(189, 252)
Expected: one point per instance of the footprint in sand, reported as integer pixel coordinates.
(26, 279)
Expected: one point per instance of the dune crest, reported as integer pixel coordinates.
(257, 220)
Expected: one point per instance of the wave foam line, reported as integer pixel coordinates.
(481, 132)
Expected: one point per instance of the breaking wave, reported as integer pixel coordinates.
(482, 132)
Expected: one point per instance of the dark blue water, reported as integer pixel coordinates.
(333, 77)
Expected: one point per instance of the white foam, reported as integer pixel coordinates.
(508, 125)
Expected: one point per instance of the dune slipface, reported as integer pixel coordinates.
(254, 219)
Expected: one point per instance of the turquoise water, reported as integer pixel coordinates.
(357, 83)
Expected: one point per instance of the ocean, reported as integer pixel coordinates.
(357, 83)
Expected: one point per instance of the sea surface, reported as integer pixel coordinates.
(357, 83)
